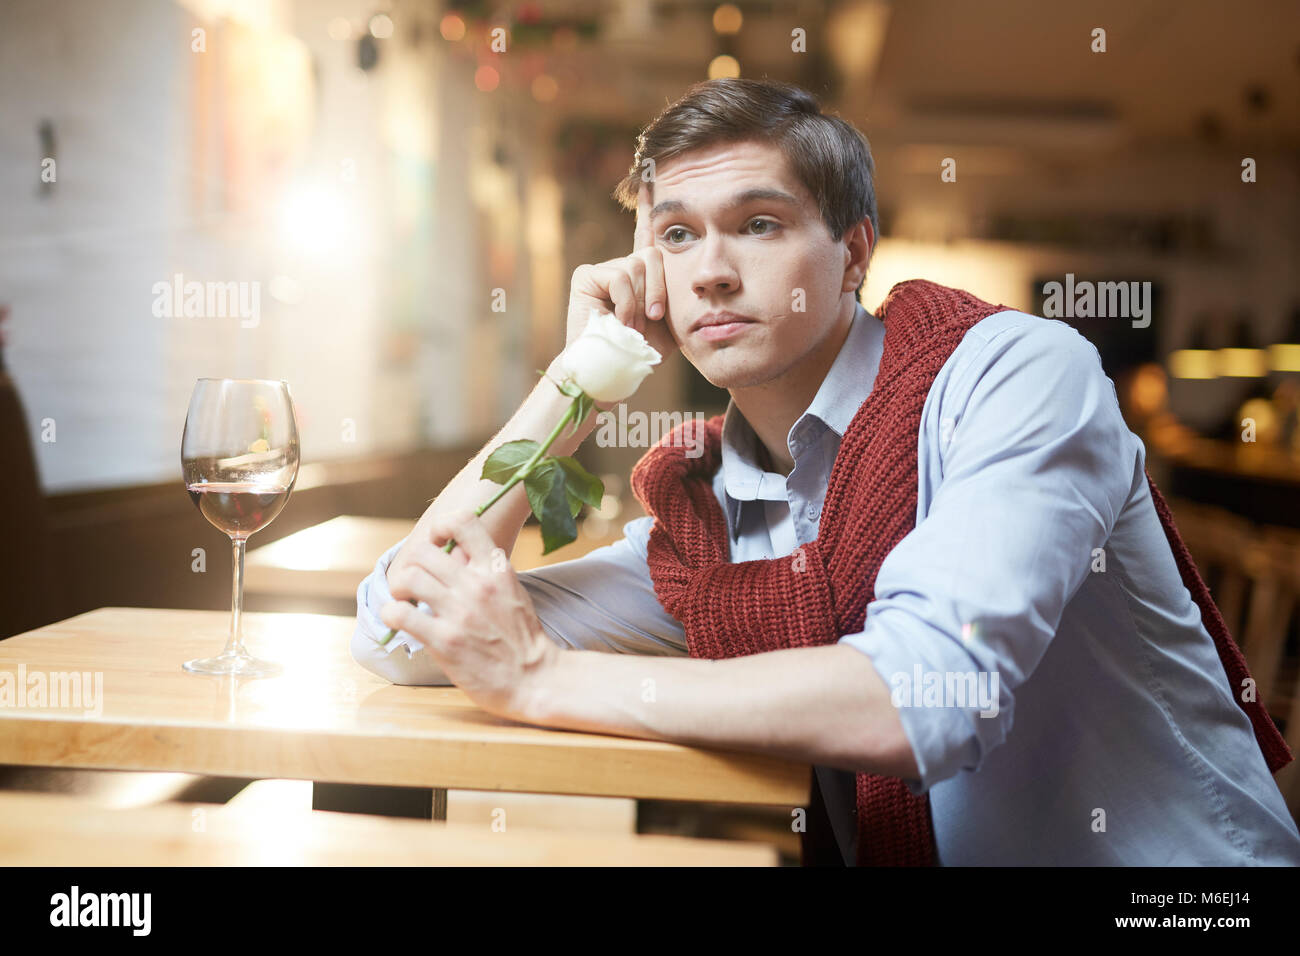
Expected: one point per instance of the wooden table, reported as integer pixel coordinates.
(329, 560)
(325, 719)
(60, 830)
(317, 571)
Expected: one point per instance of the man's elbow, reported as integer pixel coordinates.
(891, 752)
(399, 666)
(882, 746)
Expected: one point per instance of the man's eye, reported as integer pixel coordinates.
(767, 224)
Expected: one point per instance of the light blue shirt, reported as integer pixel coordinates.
(1038, 573)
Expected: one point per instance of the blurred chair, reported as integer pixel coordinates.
(1253, 572)
(24, 559)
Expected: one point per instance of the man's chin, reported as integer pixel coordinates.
(729, 372)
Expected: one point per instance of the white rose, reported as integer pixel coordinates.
(609, 360)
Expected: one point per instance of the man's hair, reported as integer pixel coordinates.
(830, 156)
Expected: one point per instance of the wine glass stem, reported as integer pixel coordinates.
(235, 646)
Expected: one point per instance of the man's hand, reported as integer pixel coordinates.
(482, 630)
(633, 288)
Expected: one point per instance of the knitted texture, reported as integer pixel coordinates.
(820, 592)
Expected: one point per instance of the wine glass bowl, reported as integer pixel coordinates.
(239, 459)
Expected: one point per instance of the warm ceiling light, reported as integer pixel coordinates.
(1198, 360)
(312, 220)
(1285, 356)
(1242, 359)
(381, 26)
(727, 18)
(1242, 363)
(1194, 363)
(1268, 425)
(452, 28)
(1149, 389)
(724, 66)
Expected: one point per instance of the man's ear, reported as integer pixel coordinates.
(859, 243)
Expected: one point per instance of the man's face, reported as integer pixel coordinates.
(768, 256)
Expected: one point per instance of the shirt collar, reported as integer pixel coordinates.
(846, 386)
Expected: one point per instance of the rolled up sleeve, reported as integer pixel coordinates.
(602, 601)
(403, 660)
(1033, 478)
(605, 600)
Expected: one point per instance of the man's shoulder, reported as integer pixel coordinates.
(1012, 341)
(1012, 325)
(1041, 362)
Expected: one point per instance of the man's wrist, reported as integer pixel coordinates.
(555, 372)
(558, 403)
(538, 697)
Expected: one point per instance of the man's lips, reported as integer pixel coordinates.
(725, 330)
(719, 320)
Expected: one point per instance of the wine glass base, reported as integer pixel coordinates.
(234, 665)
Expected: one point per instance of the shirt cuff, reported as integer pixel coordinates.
(372, 595)
(947, 733)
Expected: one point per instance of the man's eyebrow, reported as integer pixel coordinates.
(740, 199)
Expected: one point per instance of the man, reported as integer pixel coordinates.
(988, 526)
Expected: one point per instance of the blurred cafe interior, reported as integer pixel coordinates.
(396, 193)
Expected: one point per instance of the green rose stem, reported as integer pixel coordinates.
(517, 477)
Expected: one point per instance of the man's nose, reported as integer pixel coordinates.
(714, 269)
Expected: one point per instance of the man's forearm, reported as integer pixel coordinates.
(534, 419)
(824, 705)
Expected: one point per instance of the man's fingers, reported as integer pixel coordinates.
(469, 533)
(413, 581)
(447, 569)
(655, 285)
(622, 292)
(426, 629)
(622, 283)
(655, 293)
(643, 236)
(634, 266)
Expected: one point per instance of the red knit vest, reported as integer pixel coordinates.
(820, 592)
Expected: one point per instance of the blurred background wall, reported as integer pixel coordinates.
(392, 195)
(369, 208)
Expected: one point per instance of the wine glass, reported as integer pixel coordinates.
(239, 457)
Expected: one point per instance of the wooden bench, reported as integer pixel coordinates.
(60, 830)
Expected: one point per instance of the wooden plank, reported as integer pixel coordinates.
(60, 830)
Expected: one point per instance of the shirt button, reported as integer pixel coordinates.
(812, 512)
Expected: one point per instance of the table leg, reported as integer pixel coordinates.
(422, 803)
